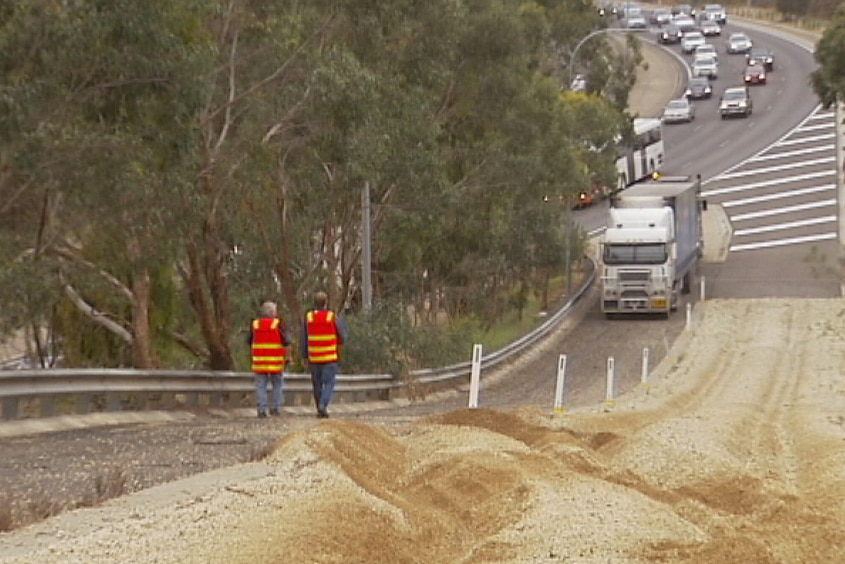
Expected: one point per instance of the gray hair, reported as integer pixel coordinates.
(269, 309)
(321, 299)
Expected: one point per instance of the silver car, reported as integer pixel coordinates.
(739, 43)
(677, 111)
(691, 40)
(705, 65)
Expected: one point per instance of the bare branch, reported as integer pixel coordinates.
(96, 316)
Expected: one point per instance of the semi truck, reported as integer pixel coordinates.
(652, 245)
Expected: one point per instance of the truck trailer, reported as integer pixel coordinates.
(652, 245)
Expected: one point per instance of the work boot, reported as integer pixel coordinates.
(274, 412)
(262, 414)
(322, 413)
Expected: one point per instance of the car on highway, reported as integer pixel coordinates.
(707, 49)
(736, 101)
(678, 111)
(661, 16)
(710, 28)
(705, 65)
(714, 13)
(685, 22)
(691, 40)
(683, 9)
(739, 43)
(606, 7)
(699, 88)
(754, 74)
(763, 56)
(670, 34)
(636, 21)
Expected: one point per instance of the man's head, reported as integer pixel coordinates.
(321, 300)
(269, 309)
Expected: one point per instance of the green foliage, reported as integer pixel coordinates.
(792, 7)
(386, 340)
(217, 152)
(828, 80)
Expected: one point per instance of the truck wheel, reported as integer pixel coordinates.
(686, 284)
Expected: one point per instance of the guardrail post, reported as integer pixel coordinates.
(609, 401)
(561, 375)
(644, 376)
(475, 377)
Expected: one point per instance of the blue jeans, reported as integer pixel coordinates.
(262, 382)
(323, 378)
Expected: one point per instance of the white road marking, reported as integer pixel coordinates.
(769, 183)
(788, 166)
(801, 140)
(783, 226)
(783, 242)
(796, 153)
(779, 196)
(804, 128)
(784, 210)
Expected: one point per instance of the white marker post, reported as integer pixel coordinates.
(475, 377)
(561, 376)
(644, 376)
(609, 401)
(702, 289)
(689, 316)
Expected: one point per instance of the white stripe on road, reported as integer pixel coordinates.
(804, 128)
(783, 242)
(785, 210)
(768, 183)
(802, 140)
(783, 226)
(820, 114)
(778, 196)
(799, 152)
(788, 166)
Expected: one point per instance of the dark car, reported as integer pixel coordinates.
(736, 101)
(699, 88)
(754, 74)
(670, 34)
(761, 56)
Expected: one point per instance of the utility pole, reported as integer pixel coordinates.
(366, 256)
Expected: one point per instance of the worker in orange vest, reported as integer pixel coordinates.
(323, 335)
(268, 339)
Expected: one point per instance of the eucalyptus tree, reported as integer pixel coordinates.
(98, 96)
(828, 80)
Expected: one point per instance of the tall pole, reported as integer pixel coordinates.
(366, 244)
(578, 46)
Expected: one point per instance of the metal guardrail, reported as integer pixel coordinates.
(44, 393)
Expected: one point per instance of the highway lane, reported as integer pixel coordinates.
(710, 145)
(773, 174)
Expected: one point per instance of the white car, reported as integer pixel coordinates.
(710, 28)
(692, 40)
(685, 22)
(705, 65)
(739, 43)
(707, 49)
(636, 21)
(715, 13)
(679, 110)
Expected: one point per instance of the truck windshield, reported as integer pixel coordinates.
(654, 253)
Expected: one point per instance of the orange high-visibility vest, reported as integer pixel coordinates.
(321, 327)
(268, 352)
